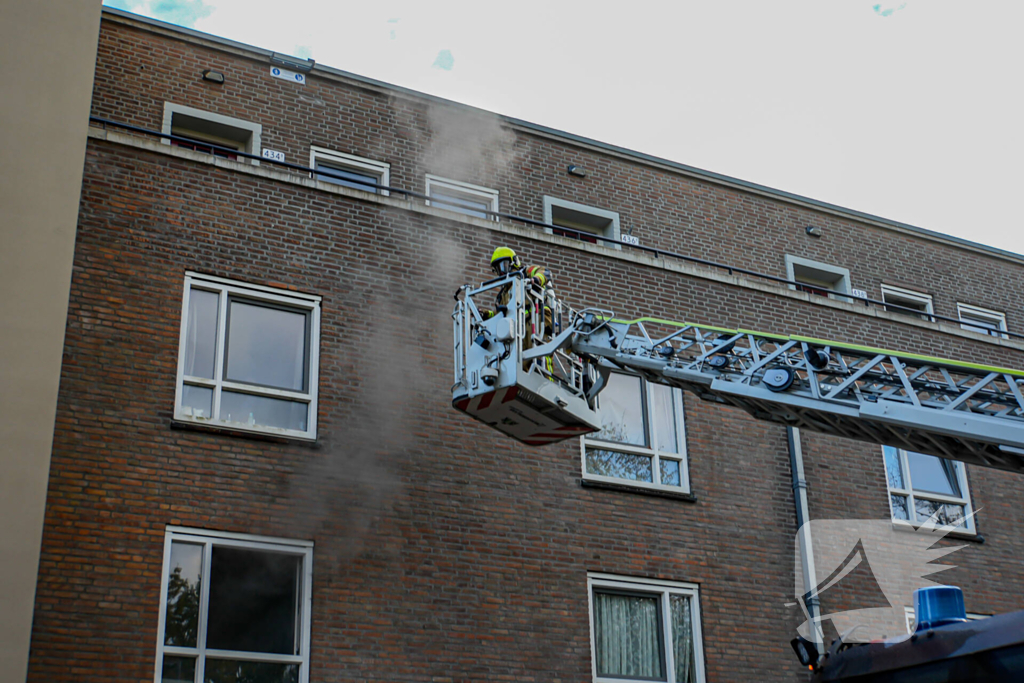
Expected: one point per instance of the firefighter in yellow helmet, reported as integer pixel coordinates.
(505, 261)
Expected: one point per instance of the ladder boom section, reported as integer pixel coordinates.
(532, 367)
(952, 409)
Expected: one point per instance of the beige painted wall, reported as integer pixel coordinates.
(48, 53)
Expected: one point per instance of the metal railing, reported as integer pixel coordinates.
(579, 234)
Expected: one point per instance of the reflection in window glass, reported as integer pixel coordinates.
(620, 465)
(251, 410)
(622, 411)
(670, 472)
(930, 473)
(198, 401)
(201, 333)
(344, 176)
(899, 507)
(461, 203)
(892, 467)
(253, 595)
(183, 594)
(178, 670)
(926, 489)
(236, 671)
(248, 358)
(266, 346)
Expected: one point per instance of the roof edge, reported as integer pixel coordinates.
(122, 16)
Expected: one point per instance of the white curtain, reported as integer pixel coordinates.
(682, 638)
(628, 639)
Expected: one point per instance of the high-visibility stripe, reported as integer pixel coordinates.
(510, 394)
(485, 401)
(463, 404)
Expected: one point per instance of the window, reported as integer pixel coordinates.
(911, 624)
(921, 486)
(248, 357)
(345, 169)
(817, 278)
(233, 608)
(471, 200)
(581, 217)
(212, 129)
(981, 320)
(906, 298)
(643, 439)
(644, 630)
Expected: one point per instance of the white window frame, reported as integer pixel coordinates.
(380, 169)
(612, 232)
(476, 192)
(255, 130)
(302, 302)
(208, 539)
(841, 279)
(996, 317)
(910, 494)
(909, 614)
(897, 296)
(653, 587)
(653, 453)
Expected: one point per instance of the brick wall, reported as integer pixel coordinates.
(443, 551)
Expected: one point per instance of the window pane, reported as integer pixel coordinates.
(178, 670)
(183, 591)
(682, 639)
(929, 473)
(893, 468)
(622, 411)
(664, 419)
(621, 465)
(230, 671)
(266, 346)
(944, 512)
(343, 176)
(254, 598)
(259, 410)
(201, 333)
(670, 473)
(197, 401)
(460, 203)
(899, 507)
(628, 636)
(982, 325)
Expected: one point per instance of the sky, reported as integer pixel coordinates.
(907, 110)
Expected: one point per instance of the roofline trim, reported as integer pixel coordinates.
(251, 51)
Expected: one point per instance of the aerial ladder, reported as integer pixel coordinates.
(540, 383)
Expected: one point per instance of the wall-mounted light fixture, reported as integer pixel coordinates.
(294, 63)
(577, 171)
(213, 76)
(813, 231)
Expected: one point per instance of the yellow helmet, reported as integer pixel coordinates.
(504, 260)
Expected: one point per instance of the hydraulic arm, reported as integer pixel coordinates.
(952, 409)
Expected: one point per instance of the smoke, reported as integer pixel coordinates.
(388, 379)
(458, 142)
(389, 370)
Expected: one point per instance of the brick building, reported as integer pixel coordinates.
(255, 457)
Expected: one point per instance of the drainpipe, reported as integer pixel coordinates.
(813, 603)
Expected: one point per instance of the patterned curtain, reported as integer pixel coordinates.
(628, 639)
(682, 638)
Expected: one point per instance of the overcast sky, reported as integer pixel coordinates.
(907, 110)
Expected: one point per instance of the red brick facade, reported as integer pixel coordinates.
(444, 551)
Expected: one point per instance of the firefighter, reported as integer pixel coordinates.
(505, 261)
